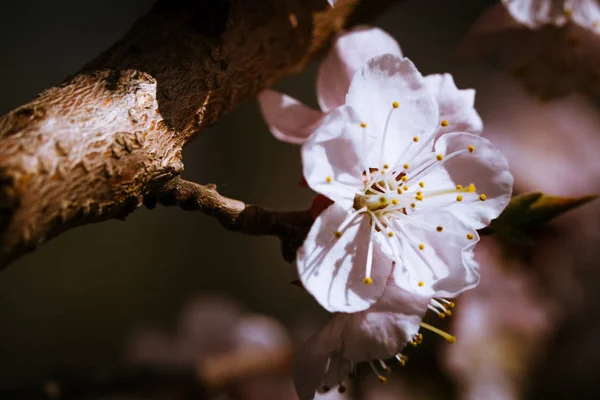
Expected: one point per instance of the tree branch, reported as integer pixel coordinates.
(291, 227)
(96, 146)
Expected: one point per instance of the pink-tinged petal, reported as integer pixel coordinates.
(384, 330)
(535, 13)
(389, 86)
(350, 52)
(311, 363)
(332, 267)
(585, 13)
(288, 120)
(456, 106)
(331, 158)
(485, 167)
(437, 262)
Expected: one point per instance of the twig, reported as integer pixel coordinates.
(291, 227)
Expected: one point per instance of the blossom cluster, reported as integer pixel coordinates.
(411, 181)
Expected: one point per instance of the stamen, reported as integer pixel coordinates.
(459, 198)
(385, 129)
(421, 283)
(421, 246)
(449, 338)
(381, 378)
(395, 104)
(439, 157)
(363, 125)
(482, 197)
(415, 139)
(402, 359)
(439, 228)
(341, 389)
(368, 280)
(406, 166)
(329, 179)
(470, 236)
(471, 149)
(384, 366)
(422, 184)
(444, 123)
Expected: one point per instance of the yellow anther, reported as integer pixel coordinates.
(391, 234)
(382, 199)
(444, 123)
(329, 179)
(421, 246)
(395, 104)
(445, 335)
(482, 197)
(442, 315)
(439, 157)
(386, 166)
(415, 139)
(388, 370)
(422, 184)
(568, 12)
(459, 198)
(439, 228)
(405, 187)
(404, 178)
(419, 197)
(363, 125)
(382, 379)
(395, 201)
(338, 234)
(459, 187)
(451, 304)
(419, 193)
(448, 313)
(406, 166)
(470, 236)
(471, 188)
(471, 149)
(399, 190)
(421, 283)
(368, 280)
(412, 205)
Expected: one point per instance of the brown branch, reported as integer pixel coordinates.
(96, 146)
(234, 215)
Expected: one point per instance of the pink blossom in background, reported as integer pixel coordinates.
(502, 324)
(561, 55)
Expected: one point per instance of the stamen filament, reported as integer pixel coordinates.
(445, 335)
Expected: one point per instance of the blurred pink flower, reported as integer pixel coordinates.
(560, 56)
(502, 324)
(536, 13)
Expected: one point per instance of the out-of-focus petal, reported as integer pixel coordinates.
(288, 120)
(535, 13)
(350, 52)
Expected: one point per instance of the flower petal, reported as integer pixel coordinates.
(332, 269)
(288, 120)
(331, 158)
(350, 52)
(437, 263)
(486, 168)
(384, 330)
(535, 13)
(585, 13)
(311, 363)
(391, 97)
(456, 106)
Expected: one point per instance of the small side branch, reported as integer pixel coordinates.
(289, 226)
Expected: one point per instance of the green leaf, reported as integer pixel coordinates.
(531, 210)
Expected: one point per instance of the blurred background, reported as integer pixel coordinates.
(529, 331)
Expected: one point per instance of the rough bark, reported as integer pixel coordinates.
(110, 136)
